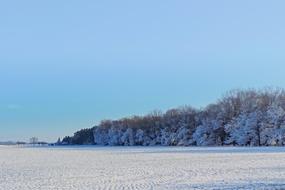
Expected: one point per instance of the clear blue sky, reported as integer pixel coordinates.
(66, 65)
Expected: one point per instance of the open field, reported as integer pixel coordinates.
(108, 168)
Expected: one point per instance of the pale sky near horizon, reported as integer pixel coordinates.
(66, 65)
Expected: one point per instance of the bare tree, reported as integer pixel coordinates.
(34, 140)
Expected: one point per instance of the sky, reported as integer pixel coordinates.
(67, 65)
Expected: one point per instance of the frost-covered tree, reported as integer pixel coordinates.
(244, 130)
(273, 126)
(241, 117)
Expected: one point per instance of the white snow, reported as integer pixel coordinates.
(141, 168)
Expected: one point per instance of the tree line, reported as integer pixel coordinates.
(241, 118)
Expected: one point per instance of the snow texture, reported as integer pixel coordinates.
(130, 168)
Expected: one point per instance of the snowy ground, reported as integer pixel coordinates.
(141, 168)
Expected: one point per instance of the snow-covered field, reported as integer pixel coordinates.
(141, 168)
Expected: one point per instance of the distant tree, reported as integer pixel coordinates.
(83, 137)
(58, 141)
(34, 140)
(67, 140)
